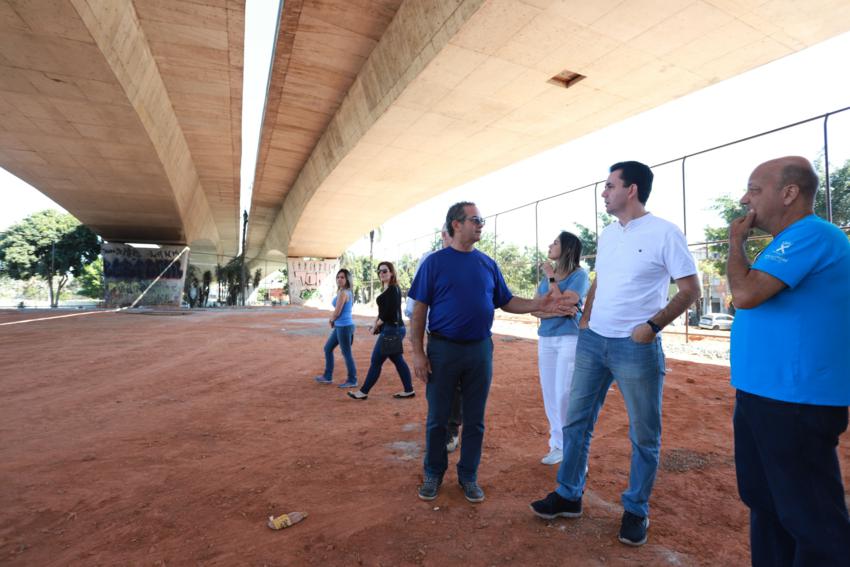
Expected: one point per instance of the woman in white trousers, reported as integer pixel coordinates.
(558, 335)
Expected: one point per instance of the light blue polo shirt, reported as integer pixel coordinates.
(579, 282)
(795, 347)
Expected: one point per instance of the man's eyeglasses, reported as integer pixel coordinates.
(476, 219)
(383, 271)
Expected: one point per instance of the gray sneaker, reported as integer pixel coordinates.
(430, 487)
(472, 491)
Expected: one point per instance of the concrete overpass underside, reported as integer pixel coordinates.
(128, 112)
(457, 89)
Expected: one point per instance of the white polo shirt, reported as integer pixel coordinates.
(634, 264)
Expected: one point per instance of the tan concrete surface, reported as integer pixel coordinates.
(455, 90)
(127, 112)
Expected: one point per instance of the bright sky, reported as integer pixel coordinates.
(797, 87)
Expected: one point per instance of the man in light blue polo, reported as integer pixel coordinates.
(625, 310)
(791, 367)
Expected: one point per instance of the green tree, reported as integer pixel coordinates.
(839, 182)
(50, 245)
(717, 249)
(588, 239)
(91, 280)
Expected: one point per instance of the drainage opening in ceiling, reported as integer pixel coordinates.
(565, 79)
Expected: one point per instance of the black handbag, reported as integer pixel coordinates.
(393, 344)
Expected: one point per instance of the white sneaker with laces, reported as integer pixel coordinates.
(554, 457)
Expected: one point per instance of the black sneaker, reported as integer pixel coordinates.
(429, 488)
(472, 491)
(556, 506)
(633, 529)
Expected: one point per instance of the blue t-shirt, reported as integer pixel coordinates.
(558, 326)
(344, 319)
(462, 290)
(795, 347)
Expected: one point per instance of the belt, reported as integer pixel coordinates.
(438, 337)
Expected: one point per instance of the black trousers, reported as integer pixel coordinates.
(789, 477)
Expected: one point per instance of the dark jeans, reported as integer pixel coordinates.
(378, 360)
(469, 365)
(789, 477)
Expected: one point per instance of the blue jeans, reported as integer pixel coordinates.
(469, 365)
(378, 360)
(639, 372)
(789, 477)
(344, 337)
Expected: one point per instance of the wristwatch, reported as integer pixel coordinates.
(655, 328)
(551, 280)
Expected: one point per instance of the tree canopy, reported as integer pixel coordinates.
(49, 245)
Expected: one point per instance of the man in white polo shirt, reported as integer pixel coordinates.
(625, 311)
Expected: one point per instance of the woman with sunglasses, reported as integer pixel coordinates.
(342, 332)
(556, 349)
(388, 322)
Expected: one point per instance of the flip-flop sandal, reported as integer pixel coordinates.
(286, 520)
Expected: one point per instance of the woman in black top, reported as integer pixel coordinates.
(388, 322)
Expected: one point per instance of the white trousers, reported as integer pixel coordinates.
(556, 358)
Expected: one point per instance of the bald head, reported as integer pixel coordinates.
(792, 170)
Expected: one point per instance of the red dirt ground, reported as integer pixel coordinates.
(128, 439)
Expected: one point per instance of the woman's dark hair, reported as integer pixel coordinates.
(389, 265)
(347, 275)
(570, 256)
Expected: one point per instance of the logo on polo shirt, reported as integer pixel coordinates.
(783, 247)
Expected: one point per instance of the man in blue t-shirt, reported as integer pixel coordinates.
(791, 367)
(462, 287)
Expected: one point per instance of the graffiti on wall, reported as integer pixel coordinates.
(128, 271)
(311, 278)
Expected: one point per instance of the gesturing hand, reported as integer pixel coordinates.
(559, 303)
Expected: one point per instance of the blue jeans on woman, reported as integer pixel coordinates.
(639, 372)
(378, 360)
(344, 337)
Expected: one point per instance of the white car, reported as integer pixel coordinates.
(716, 321)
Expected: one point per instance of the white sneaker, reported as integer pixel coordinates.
(554, 457)
(452, 444)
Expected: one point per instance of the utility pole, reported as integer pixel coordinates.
(52, 264)
(243, 281)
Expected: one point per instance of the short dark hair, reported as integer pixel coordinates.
(637, 173)
(803, 177)
(570, 256)
(389, 265)
(456, 213)
(347, 275)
